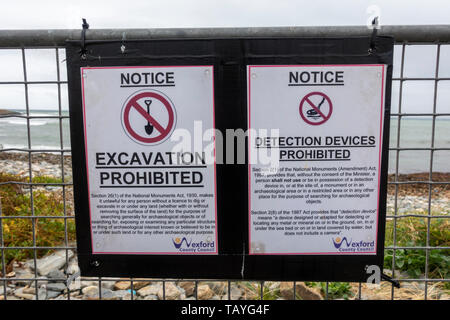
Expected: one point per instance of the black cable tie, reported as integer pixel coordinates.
(83, 51)
(372, 46)
(122, 46)
(395, 283)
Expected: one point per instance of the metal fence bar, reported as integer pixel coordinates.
(433, 127)
(420, 114)
(33, 82)
(51, 38)
(2, 251)
(33, 221)
(405, 36)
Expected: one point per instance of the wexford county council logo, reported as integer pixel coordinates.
(350, 246)
(183, 245)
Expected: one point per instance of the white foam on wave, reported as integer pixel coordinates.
(33, 147)
(22, 122)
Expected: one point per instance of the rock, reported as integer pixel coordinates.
(53, 294)
(235, 293)
(29, 290)
(140, 284)
(52, 262)
(150, 290)
(2, 290)
(172, 292)
(23, 274)
(204, 292)
(218, 287)
(287, 290)
(42, 281)
(88, 283)
(11, 274)
(59, 287)
(151, 297)
(42, 294)
(307, 293)
(109, 295)
(188, 286)
(92, 292)
(20, 294)
(108, 284)
(75, 285)
(122, 294)
(72, 268)
(56, 274)
(122, 285)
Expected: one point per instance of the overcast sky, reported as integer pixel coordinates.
(42, 14)
(50, 14)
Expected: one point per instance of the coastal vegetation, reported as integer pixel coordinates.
(17, 231)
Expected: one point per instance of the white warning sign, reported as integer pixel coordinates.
(148, 192)
(324, 125)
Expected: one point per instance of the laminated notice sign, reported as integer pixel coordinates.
(324, 126)
(256, 159)
(146, 196)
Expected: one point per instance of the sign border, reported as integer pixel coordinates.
(383, 88)
(216, 252)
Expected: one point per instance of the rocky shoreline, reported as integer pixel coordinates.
(58, 274)
(57, 277)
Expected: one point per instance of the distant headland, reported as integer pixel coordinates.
(4, 112)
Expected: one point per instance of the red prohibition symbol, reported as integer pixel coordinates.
(152, 123)
(311, 112)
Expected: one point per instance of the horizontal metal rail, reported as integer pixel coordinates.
(58, 37)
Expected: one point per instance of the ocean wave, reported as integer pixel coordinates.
(23, 122)
(36, 147)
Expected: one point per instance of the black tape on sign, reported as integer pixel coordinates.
(125, 108)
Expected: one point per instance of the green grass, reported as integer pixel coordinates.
(336, 290)
(18, 232)
(412, 232)
(46, 179)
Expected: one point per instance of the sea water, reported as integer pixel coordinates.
(45, 133)
(415, 132)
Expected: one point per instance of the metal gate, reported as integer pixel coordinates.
(418, 243)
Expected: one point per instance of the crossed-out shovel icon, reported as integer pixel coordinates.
(148, 127)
